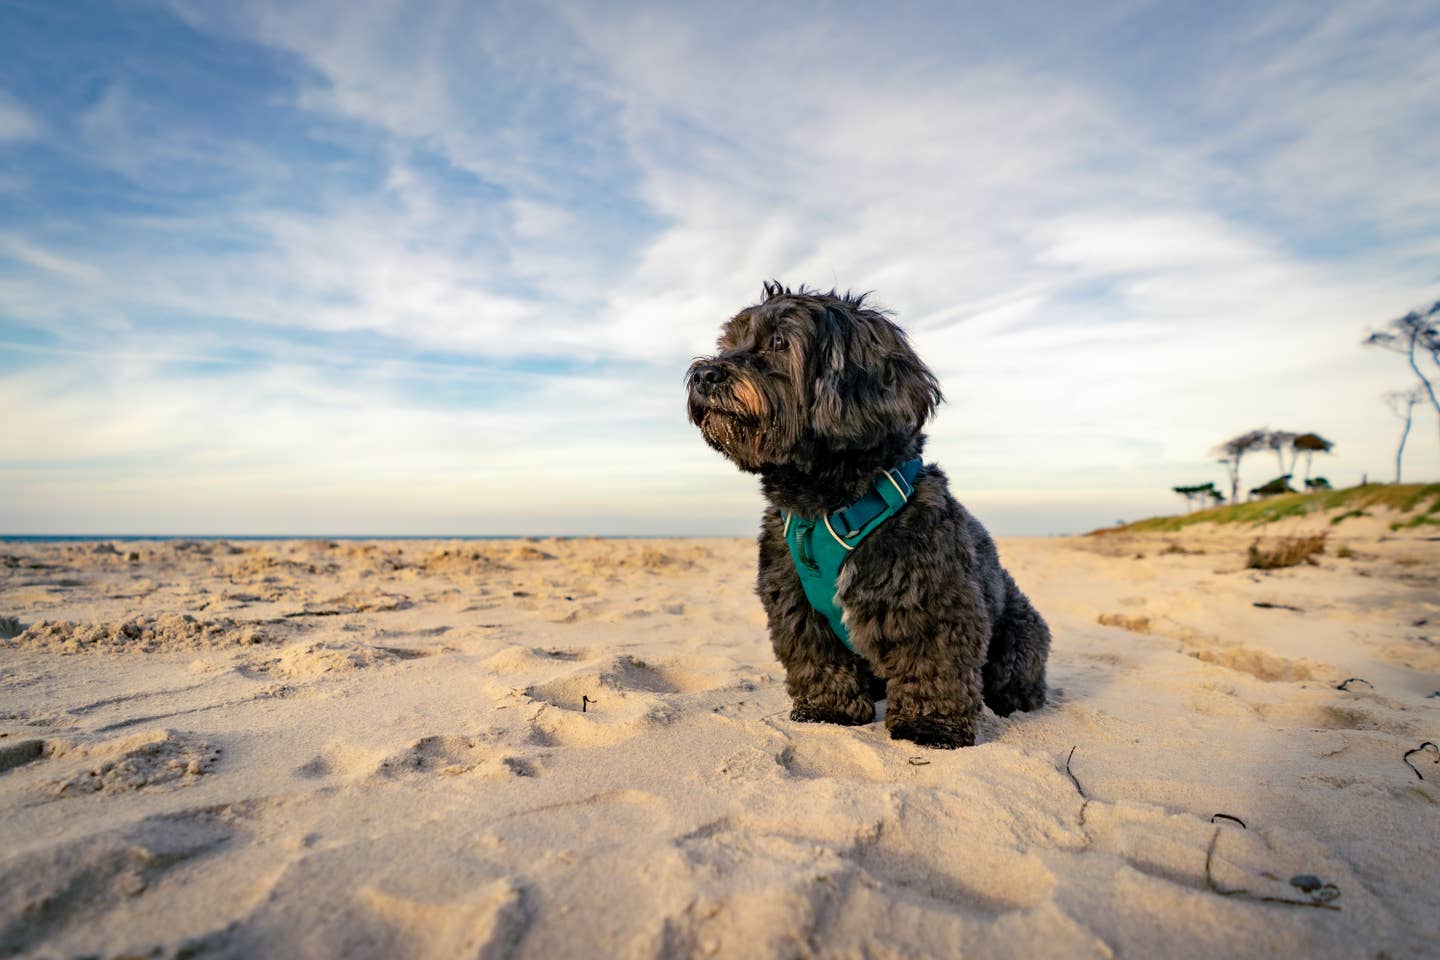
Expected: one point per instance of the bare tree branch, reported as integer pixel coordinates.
(1416, 337)
(1403, 403)
(1232, 451)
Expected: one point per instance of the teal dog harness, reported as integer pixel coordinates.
(820, 547)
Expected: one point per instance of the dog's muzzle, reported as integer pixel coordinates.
(706, 377)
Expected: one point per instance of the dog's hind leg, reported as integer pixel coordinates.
(1014, 671)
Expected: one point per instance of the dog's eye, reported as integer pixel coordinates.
(777, 342)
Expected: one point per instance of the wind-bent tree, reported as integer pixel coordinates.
(1279, 441)
(1309, 444)
(1416, 337)
(1187, 493)
(1201, 493)
(1403, 403)
(1232, 451)
(1279, 485)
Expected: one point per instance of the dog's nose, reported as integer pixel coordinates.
(709, 374)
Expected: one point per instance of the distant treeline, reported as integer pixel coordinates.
(1414, 336)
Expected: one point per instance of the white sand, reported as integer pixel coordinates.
(312, 749)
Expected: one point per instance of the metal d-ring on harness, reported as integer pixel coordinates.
(819, 547)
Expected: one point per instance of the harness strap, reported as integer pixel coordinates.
(818, 556)
(889, 493)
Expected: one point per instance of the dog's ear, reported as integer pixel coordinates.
(827, 409)
(911, 383)
(868, 380)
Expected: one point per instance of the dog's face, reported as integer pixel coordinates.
(800, 374)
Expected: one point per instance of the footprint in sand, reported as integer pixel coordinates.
(810, 880)
(366, 899)
(69, 884)
(1311, 716)
(622, 696)
(626, 673)
(603, 705)
(1265, 666)
(343, 759)
(453, 755)
(750, 764)
(816, 752)
(519, 659)
(318, 658)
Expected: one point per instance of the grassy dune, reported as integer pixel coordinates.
(1418, 504)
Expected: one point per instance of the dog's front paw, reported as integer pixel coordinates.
(856, 714)
(939, 732)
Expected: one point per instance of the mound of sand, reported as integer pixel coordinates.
(461, 561)
(64, 768)
(145, 634)
(356, 601)
(320, 657)
(135, 762)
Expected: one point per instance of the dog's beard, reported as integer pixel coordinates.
(727, 432)
(735, 435)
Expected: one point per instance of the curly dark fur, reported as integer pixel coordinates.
(817, 393)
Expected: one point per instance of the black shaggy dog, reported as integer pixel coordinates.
(823, 396)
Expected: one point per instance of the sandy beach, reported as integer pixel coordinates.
(567, 748)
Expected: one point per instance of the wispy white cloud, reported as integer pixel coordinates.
(1337, 105)
(16, 123)
(568, 199)
(20, 250)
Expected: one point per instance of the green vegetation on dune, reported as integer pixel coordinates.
(1426, 519)
(1338, 519)
(1402, 497)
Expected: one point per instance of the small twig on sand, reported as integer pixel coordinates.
(1071, 774)
(1076, 780)
(1426, 747)
(585, 701)
(1320, 900)
(1346, 684)
(1275, 606)
(1226, 816)
(919, 762)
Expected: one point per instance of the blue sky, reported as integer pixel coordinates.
(371, 267)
